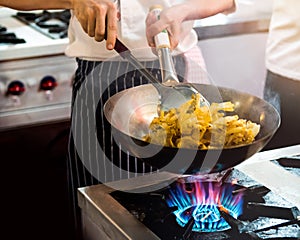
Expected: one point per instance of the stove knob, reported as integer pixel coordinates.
(48, 83)
(15, 88)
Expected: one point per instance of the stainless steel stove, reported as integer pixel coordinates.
(258, 199)
(35, 74)
(35, 106)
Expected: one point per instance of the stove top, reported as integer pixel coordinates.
(229, 205)
(198, 209)
(7, 37)
(24, 40)
(36, 76)
(52, 24)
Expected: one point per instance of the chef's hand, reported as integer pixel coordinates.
(170, 19)
(96, 17)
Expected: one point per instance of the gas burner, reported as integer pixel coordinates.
(231, 205)
(8, 37)
(201, 201)
(192, 209)
(52, 24)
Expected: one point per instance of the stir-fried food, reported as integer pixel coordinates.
(192, 126)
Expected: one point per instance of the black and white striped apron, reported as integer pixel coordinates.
(94, 83)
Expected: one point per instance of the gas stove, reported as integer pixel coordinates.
(32, 41)
(36, 75)
(249, 201)
(52, 24)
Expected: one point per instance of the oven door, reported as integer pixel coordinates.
(34, 181)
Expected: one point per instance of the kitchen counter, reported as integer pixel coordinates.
(244, 26)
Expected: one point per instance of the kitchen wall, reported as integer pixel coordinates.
(237, 61)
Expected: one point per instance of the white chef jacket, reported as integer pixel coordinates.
(131, 31)
(283, 44)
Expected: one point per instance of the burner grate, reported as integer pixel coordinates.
(291, 164)
(52, 24)
(8, 37)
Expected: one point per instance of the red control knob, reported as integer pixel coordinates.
(15, 88)
(48, 83)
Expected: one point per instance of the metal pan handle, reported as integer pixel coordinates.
(162, 43)
(125, 53)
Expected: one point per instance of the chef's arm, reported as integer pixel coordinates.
(198, 9)
(96, 17)
(171, 18)
(36, 4)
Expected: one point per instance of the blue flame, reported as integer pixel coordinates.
(202, 202)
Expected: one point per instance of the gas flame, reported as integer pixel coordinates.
(202, 201)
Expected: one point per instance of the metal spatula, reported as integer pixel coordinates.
(183, 91)
(171, 95)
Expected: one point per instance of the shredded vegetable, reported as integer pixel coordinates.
(192, 126)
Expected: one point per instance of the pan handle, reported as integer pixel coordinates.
(121, 48)
(162, 42)
(125, 53)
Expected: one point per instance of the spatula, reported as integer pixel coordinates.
(170, 95)
(169, 76)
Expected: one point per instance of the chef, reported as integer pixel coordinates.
(282, 86)
(100, 72)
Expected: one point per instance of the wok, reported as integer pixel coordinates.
(130, 112)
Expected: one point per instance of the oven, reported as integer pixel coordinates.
(35, 105)
(258, 199)
(35, 76)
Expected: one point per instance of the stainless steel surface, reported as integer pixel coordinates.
(110, 219)
(34, 105)
(251, 16)
(169, 76)
(107, 217)
(29, 64)
(179, 92)
(183, 91)
(233, 28)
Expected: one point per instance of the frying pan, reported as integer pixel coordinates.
(130, 112)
